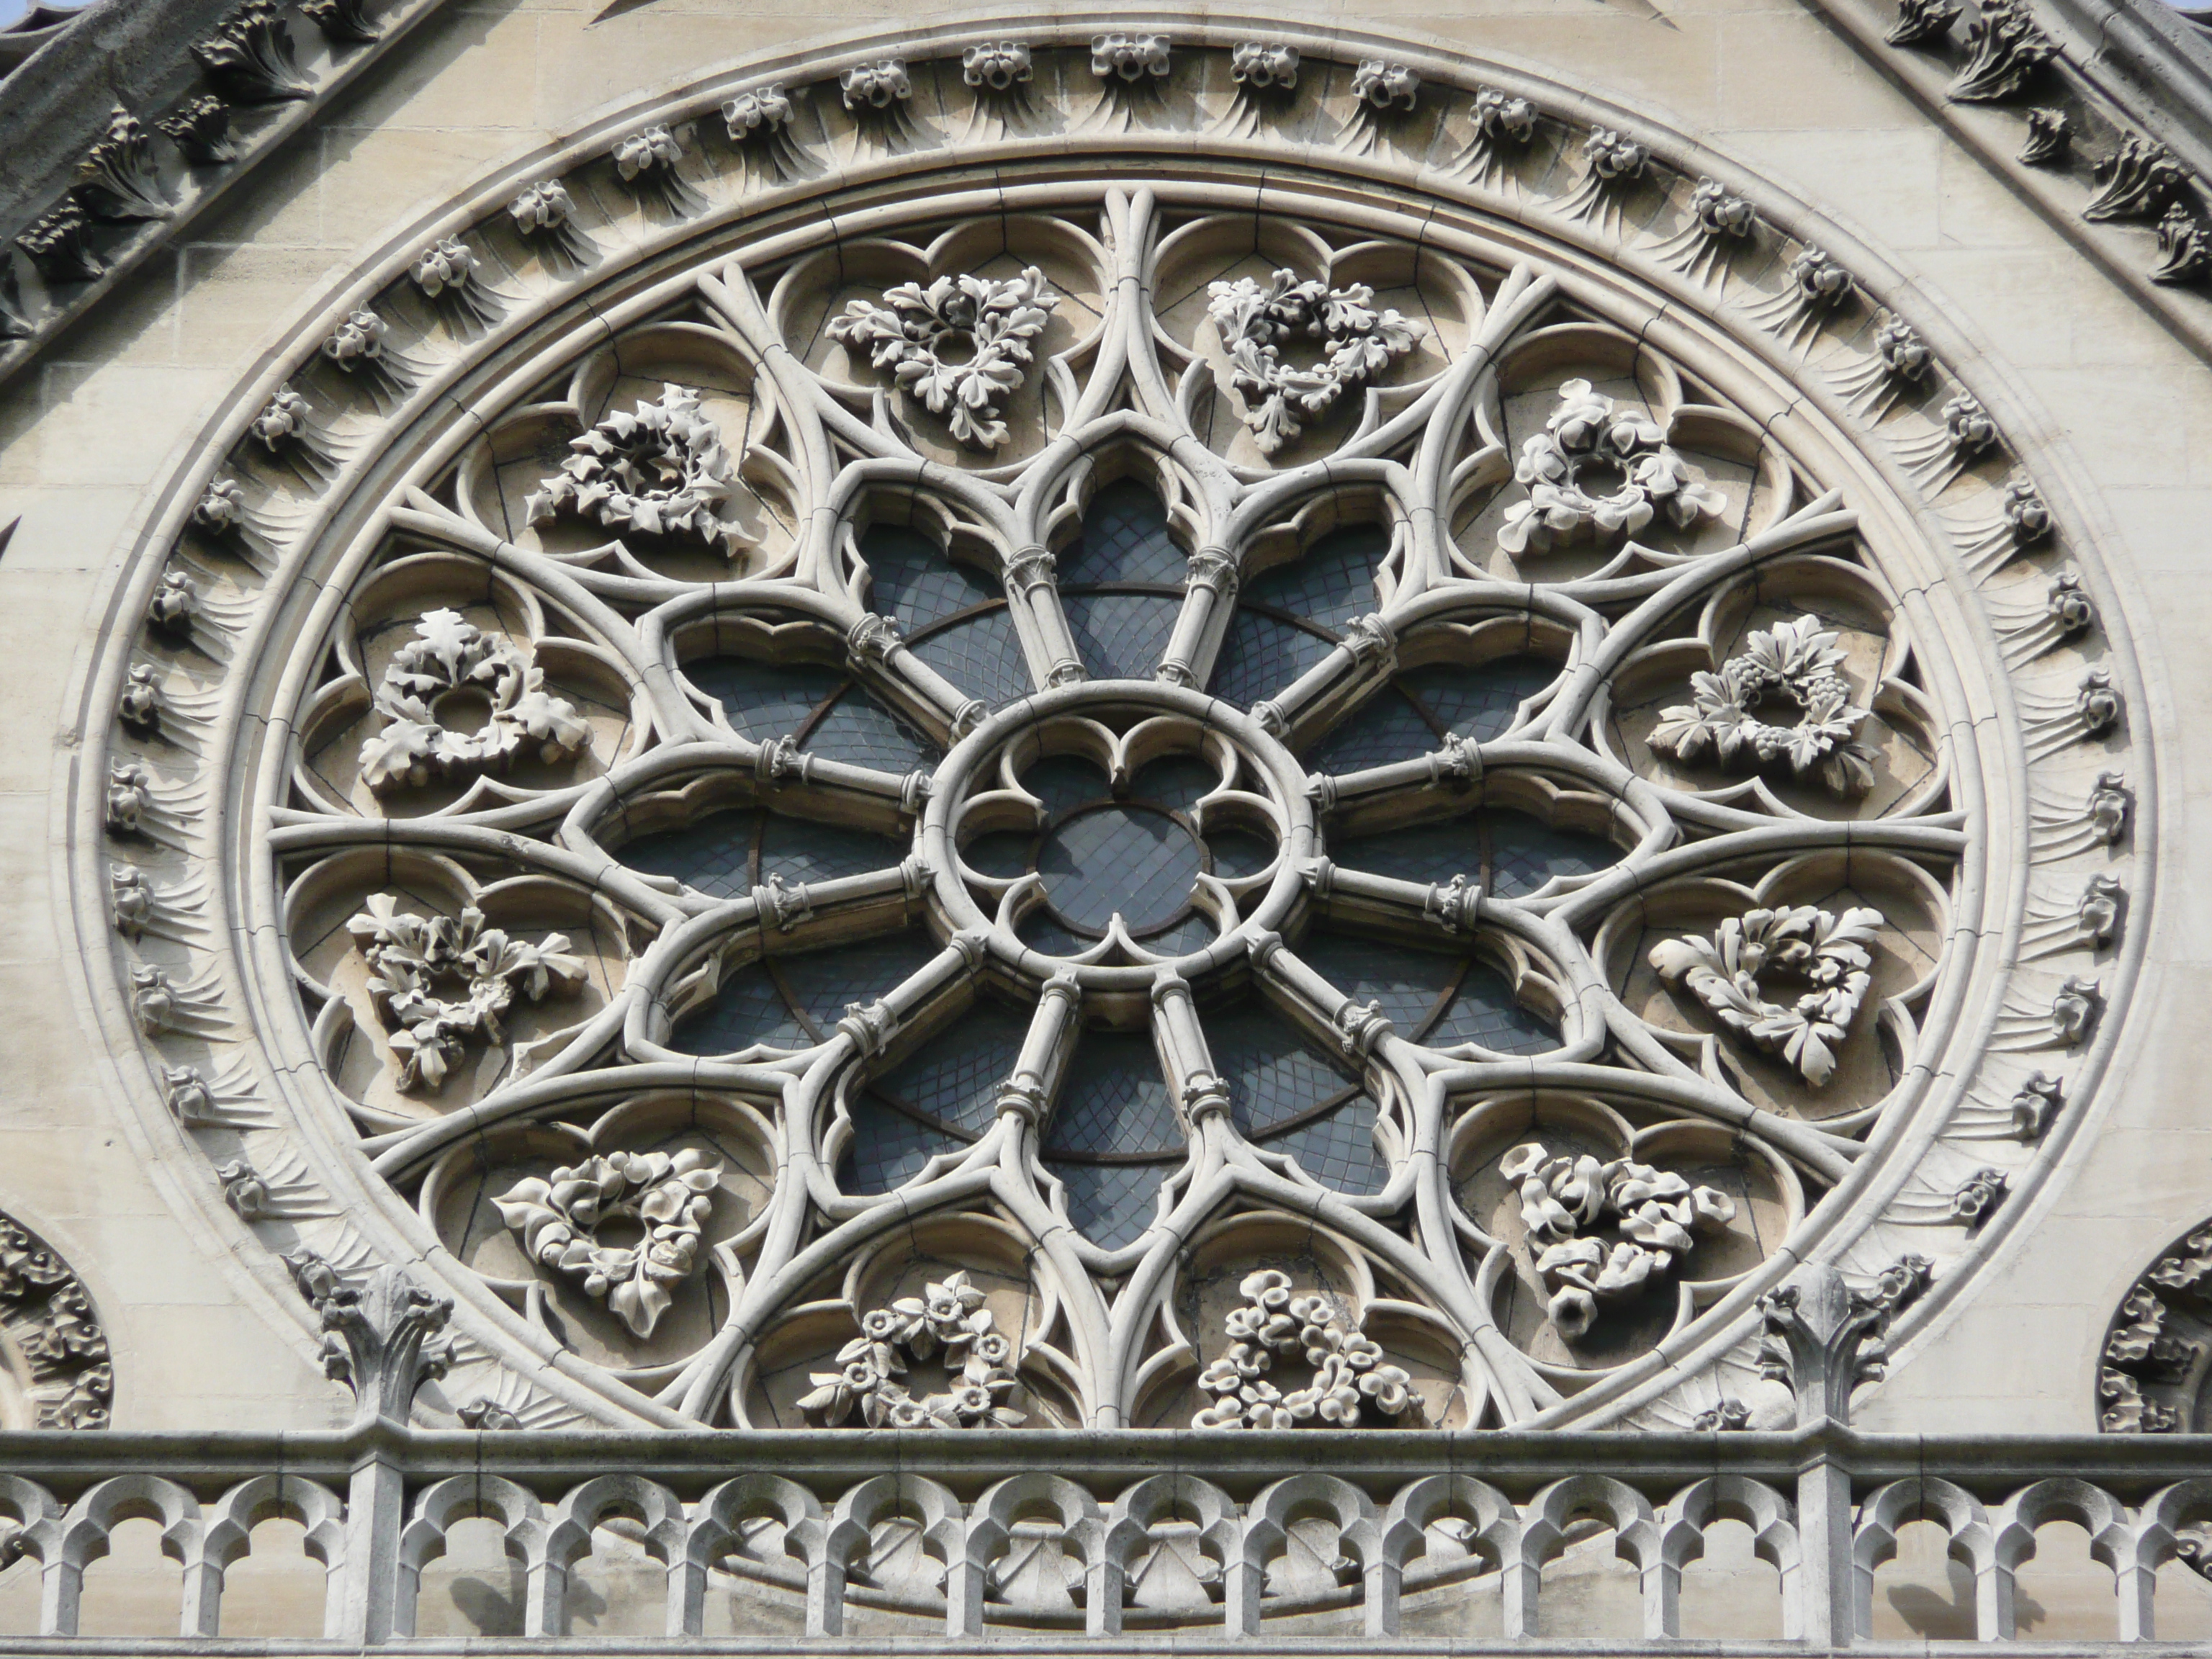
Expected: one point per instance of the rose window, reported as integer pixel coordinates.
(1114, 809)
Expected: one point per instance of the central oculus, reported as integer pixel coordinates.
(1136, 861)
(1111, 827)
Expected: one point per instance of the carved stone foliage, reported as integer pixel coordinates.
(658, 470)
(1796, 664)
(451, 661)
(2155, 1374)
(1117, 808)
(1258, 322)
(559, 1221)
(960, 345)
(58, 1372)
(1827, 952)
(413, 958)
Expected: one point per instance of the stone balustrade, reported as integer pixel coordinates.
(1408, 1510)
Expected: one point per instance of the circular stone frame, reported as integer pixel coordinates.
(229, 1059)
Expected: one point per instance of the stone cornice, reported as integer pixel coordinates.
(129, 57)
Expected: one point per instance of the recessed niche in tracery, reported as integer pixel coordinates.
(1126, 809)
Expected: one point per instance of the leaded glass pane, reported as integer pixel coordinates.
(888, 1147)
(821, 984)
(1485, 1013)
(1418, 852)
(1338, 1150)
(1004, 853)
(954, 1076)
(801, 850)
(1237, 853)
(1114, 1100)
(1387, 727)
(714, 855)
(1122, 636)
(1332, 582)
(860, 733)
(913, 581)
(1132, 862)
(765, 701)
(982, 655)
(1409, 984)
(1125, 539)
(1111, 1204)
(1273, 1075)
(1261, 654)
(749, 1008)
(1478, 702)
(1178, 781)
(1525, 853)
(1064, 782)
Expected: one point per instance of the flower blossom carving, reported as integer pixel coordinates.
(1568, 1203)
(948, 1319)
(1351, 1381)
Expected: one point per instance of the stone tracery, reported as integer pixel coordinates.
(770, 806)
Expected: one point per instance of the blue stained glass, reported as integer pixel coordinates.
(762, 700)
(714, 855)
(915, 581)
(859, 731)
(1114, 860)
(1111, 1204)
(1194, 933)
(1002, 853)
(1041, 933)
(1261, 655)
(954, 1076)
(1065, 781)
(1273, 1075)
(1114, 1100)
(982, 655)
(1239, 852)
(888, 1147)
(1478, 702)
(747, 1009)
(1525, 853)
(801, 851)
(1120, 636)
(1419, 852)
(1125, 539)
(1178, 783)
(1409, 984)
(1332, 581)
(1485, 1013)
(820, 983)
(1387, 727)
(1338, 1150)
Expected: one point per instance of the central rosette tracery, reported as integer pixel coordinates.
(1123, 836)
